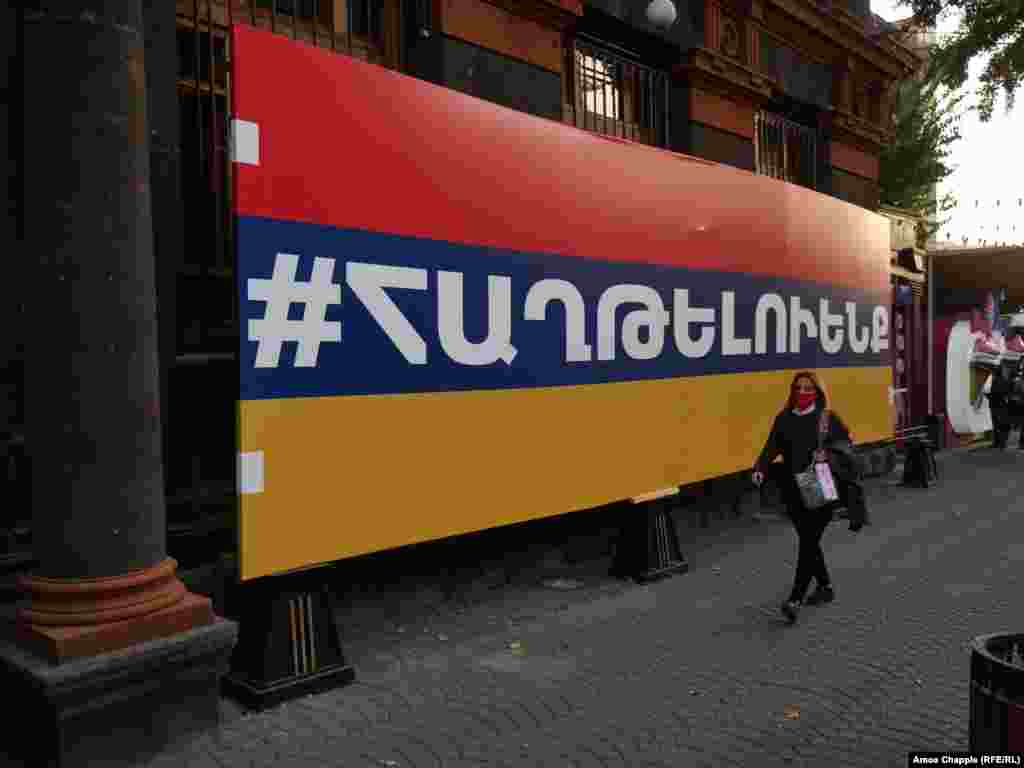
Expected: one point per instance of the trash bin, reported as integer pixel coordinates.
(997, 693)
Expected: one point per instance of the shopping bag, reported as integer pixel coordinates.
(816, 484)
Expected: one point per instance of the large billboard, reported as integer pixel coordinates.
(456, 316)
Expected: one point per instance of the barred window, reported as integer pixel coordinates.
(613, 94)
(203, 380)
(785, 150)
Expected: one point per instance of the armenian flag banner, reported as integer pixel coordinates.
(455, 316)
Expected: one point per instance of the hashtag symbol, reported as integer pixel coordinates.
(280, 292)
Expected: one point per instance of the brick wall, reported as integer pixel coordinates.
(721, 146)
(493, 28)
(716, 128)
(502, 80)
(484, 51)
(854, 189)
(854, 160)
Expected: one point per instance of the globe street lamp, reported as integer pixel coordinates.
(661, 14)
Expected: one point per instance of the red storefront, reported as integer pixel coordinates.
(909, 323)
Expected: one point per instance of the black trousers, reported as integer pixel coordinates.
(1015, 417)
(1002, 423)
(810, 564)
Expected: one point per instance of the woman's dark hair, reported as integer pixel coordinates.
(822, 398)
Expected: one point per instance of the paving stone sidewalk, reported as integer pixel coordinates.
(697, 670)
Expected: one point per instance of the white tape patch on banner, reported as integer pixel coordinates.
(245, 142)
(250, 472)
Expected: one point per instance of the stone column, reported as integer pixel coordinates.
(163, 115)
(10, 152)
(92, 376)
(104, 582)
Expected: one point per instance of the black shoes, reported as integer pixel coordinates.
(821, 595)
(791, 609)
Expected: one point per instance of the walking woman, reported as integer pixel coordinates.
(794, 437)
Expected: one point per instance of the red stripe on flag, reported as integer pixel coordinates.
(352, 145)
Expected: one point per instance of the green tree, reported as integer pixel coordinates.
(926, 124)
(987, 28)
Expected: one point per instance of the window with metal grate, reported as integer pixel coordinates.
(613, 93)
(785, 150)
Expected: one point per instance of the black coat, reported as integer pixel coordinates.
(786, 440)
(848, 471)
(1002, 388)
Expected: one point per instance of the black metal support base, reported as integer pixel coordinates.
(920, 470)
(289, 641)
(648, 547)
(259, 697)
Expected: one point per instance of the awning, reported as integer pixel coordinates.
(965, 274)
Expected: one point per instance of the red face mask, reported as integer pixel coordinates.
(805, 400)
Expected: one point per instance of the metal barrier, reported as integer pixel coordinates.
(204, 88)
(200, 465)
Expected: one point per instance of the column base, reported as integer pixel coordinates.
(116, 709)
(60, 644)
(66, 619)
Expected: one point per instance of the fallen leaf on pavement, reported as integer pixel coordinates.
(563, 584)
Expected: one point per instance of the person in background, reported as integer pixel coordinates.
(794, 437)
(1015, 401)
(999, 404)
